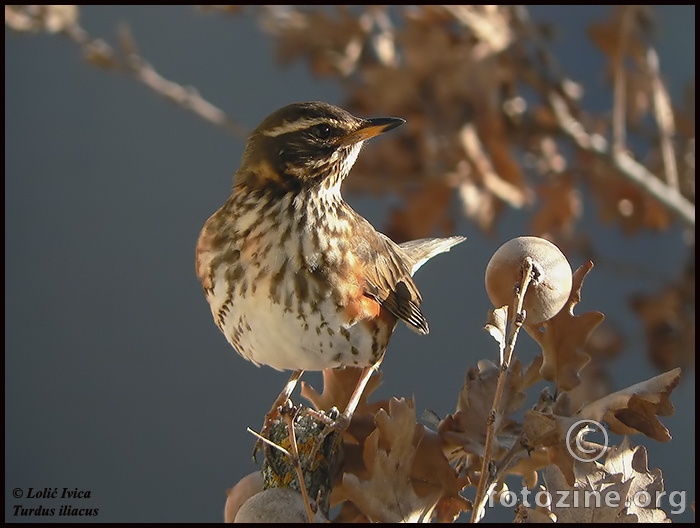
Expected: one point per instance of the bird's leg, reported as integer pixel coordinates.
(357, 394)
(274, 411)
(343, 421)
(284, 396)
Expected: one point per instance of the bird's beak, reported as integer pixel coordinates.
(372, 127)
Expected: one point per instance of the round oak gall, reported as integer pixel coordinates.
(549, 288)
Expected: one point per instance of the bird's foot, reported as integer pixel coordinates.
(276, 412)
(335, 424)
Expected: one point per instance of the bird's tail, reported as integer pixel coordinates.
(422, 250)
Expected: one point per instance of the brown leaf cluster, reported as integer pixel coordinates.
(629, 411)
(560, 210)
(466, 428)
(563, 337)
(394, 469)
(668, 319)
(34, 18)
(603, 493)
(458, 75)
(331, 42)
(407, 477)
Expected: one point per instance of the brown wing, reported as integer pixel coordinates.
(389, 269)
(387, 275)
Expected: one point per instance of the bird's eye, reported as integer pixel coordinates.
(321, 131)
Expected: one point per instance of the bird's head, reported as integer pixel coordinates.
(306, 144)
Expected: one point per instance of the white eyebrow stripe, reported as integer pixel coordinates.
(295, 126)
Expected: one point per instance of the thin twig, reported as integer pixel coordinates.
(296, 462)
(99, 53)
(664, 119)
(293, 457)
(268, 442)
(618, 115)
(489, 471)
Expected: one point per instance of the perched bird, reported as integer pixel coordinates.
(295, 278)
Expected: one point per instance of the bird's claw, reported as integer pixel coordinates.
(278, 411)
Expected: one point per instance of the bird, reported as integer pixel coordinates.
(295, 278)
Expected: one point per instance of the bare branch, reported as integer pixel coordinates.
(622, 162)
(489, 470)
(99, 53)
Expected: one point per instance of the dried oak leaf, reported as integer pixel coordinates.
(560, 208)
(491, 25)
(668, 316)
(432, 471)
(528, 466)
(624, 21)
(569, 503)
(629, 411)
(496, 325)
(563, 336)
(632, 464)
(635, 408)
(539, 515)
(595, 384)
(545, 427)
(331, 44)
(478, 204)
(400, 487)
(492, 161)
(532, 372)
(492, 130)
(464, 432)
(622, 490)
(425, 43)
(385, 90)
(49, 18)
